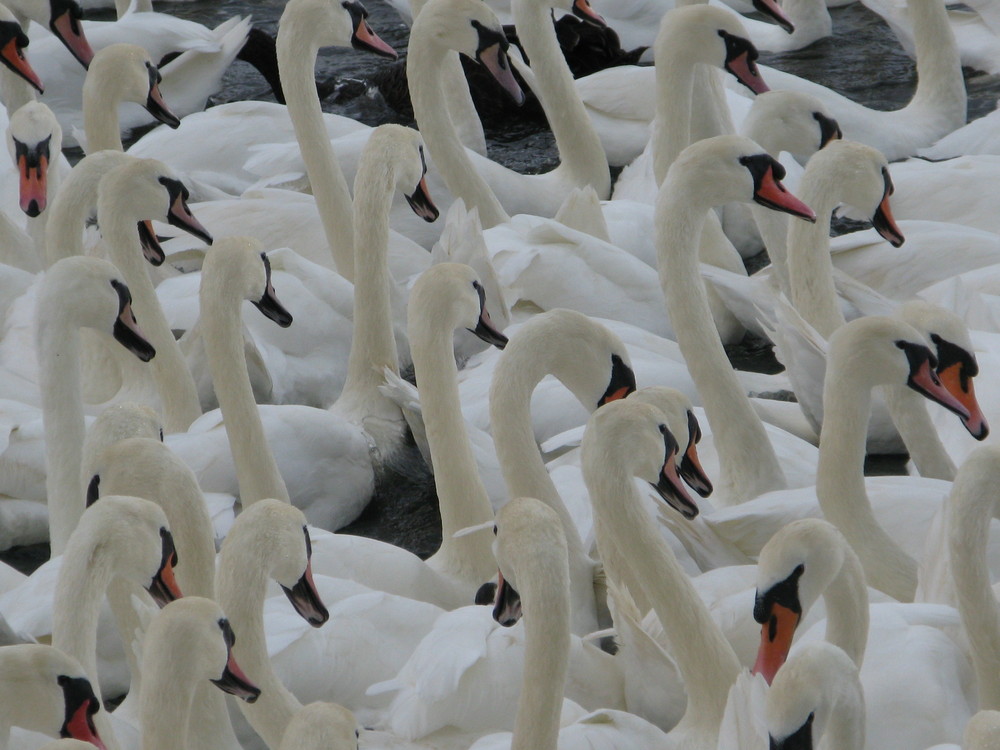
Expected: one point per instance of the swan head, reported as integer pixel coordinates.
(146, 189)
(794, 569)
(195, 636)
(403, 149)
(53, 688)
(957, 364)
(818, 683)
(238, 269)
(334, 23)
(115, 423)
(83, 291)
(529, 541)
(877, 350)
(274, 533)
(730, 168)
(125, 73)
(861, 178)
(32, 137)
(135, 535)
(470, 28)
(713, 36)
(452, 296)
(13, 40)
(633, 437)
(61, 17)
(680, 419)
(790, 121)
(321, 725)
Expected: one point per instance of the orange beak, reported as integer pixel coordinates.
(775, 641)
(961, 387)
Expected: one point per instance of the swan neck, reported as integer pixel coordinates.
(749, 464)
(296, 62)
(847, 606)
(580, 149)
(546, 659)
(58, 346)
(773, 227)
(166, 698)
(462, 498)
(423, 64)
(840, 483)
(908, 410)
(672, 125)
(222, 327)
(810, 268)
(68, 214)
(100, 116)
(178, 393)
(705, 659)
(970, 506)
(940, 84)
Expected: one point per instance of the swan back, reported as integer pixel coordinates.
(321, 726)
(817, 694)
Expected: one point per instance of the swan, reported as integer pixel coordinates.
(62, 19)
(706, 174)
(903, 656)
(120, 73)
(187, 81)
(188, 643)
(76, 292)
(268, 540)
(45, 690)
(321, 726)
(817, 695)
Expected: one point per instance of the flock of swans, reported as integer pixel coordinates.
(182, 452)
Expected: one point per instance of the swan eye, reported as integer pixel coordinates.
(494, 529)
(663, 429)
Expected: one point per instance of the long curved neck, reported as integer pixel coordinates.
(672, 126)
(704, 657)
(546, 658)
(296, 60)
(462, 498)
(100, 116)
(908, 410)
(424, 60)
(174, 381)
(840, 482)
(580, 151)
(241, 586)
(373, 346)
(749, 465)
(810, 270)
(166, 697)
(847, 609)
(58, 347)
(971, 505)
(256, 470)
(940, 85)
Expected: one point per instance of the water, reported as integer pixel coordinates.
(862, 60)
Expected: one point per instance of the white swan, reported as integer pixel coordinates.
(62, 19)
(45, 690)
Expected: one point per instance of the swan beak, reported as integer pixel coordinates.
(33, 165)
(305, 598)
(507, 608)
(12, 55)
(622, 382)
(484, 327)
(582, 9)
(960, 386)
(421, 203)
(151, 249)
(365, 38)
(268, 302)
(68, 29)
(924, 380)
(126, 330)
(233, 680)
(769, 192)
(180, 214)
(775, 641)
(829, 129)
(80, 723)
(669, 485)
(744, 68)
(691, 470)
(494, 58)
(772, 9)
(164, 588)
(487, 593)
(883, 222)
(154, 101)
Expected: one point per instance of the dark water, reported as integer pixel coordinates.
(862, 60)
